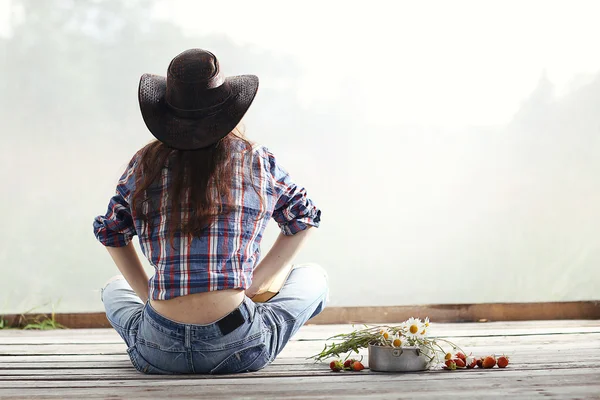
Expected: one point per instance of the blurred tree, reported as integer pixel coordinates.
(68, 105)
(73, 66)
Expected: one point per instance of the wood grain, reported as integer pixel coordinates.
(548, 359)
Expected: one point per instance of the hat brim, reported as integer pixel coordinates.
(193, 133)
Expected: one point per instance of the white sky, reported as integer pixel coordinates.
(4, 16)
(447, 62)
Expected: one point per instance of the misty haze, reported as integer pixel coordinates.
(455, 159)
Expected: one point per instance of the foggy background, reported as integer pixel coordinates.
(453, 147)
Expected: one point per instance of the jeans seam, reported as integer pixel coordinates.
(241, 342)
(303, 311)
(190, 359)
(114, 324)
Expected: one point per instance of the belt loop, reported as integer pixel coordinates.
(188, 339)
(249, 308)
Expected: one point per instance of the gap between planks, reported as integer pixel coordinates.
(483, 376)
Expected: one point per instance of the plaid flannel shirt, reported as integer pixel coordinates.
(225, 255)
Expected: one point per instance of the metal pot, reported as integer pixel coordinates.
(389, 359)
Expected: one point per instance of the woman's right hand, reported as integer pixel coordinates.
(281, 255)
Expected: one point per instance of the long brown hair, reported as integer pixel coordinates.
(199, 183)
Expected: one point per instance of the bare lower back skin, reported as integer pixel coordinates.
(200, 308)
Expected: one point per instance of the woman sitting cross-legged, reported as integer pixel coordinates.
(199, 198)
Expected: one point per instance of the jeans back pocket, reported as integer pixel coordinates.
(249, 359)
(143, 366)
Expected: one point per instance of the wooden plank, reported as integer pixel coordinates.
(302, 336)
(578, 310)
(307, 349)
(504, 328)
(320, 390)
(317, 332)
(586, 340)
(520, 358)
(54, 362)
(534, 360)
(124, 369)
(351, 392)
(103, 335)
(321, 332)
(304, 371)
(57, 358)
(548, 358)
(470, 377)
(129, 373)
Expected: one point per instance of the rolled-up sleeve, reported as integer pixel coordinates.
(116, 228)
(293, 211)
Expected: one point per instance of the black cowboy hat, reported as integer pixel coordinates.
(195, 105)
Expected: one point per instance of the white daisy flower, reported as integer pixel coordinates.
(385, 336)
(397, 341)
(425, 327)
(413, 327)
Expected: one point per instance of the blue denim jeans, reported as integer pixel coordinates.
(157, 345)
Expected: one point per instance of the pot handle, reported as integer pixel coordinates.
(397, 352)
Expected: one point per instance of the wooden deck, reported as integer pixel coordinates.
(551, 359)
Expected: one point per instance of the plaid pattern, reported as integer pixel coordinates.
(224, 256)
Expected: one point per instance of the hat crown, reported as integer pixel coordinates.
(195, 81)
(195, 105)
(194, 65)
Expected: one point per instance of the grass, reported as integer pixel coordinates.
(44, 323)
(26, 320)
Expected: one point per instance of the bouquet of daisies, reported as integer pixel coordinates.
(412, 333)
